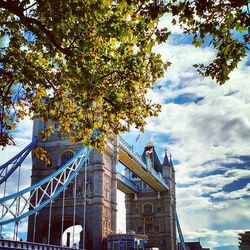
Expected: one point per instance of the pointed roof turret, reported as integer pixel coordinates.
(166, 161)
(149, 144)
(149, 151)
(170, 159)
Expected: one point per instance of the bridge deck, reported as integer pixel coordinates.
(134, 162)
(126, 185)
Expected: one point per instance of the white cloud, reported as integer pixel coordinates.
(207, 140)
(235, 194)
(166, 21)
(24, 130)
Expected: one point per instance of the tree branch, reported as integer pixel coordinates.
(33, 25)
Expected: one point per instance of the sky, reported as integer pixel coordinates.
(206, 128)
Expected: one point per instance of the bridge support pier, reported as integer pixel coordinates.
(152, 212)
(100, 193)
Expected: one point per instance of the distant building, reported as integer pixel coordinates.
(193, 246)
(244, 241)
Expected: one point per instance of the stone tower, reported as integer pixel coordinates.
(100, 191)
(150, 212)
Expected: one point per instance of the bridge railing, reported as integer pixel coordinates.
(127, 181)
(130, 150)
(11, 244)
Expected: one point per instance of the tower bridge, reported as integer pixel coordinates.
(79, 187)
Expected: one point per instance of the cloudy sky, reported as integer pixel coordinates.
(206, 127)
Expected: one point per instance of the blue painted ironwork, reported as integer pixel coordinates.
(11, 244)
(16, 161)
(48, 189)
(138, 159)
(60, 179)
(182, 241)
(127, 182)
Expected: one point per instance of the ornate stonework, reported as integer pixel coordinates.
(100, 191)
(150, 212)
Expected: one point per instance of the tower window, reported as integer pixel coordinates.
(66, 156)
(162, 242)
(148, 228)
(56, 124)
(156, 229)
(148, 208)
(139, 230)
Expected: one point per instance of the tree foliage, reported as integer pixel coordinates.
(89, 64)
(225, 25)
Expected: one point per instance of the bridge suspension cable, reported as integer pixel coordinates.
(84, 207)
(74, 206)
(63, 211)
(32, 199)
(182, 241)
(8, 168)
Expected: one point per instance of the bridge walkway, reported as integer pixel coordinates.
(134, 162)
(126, 185)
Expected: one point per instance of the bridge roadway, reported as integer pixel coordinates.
(134, 162)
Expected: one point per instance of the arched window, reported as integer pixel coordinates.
(148, 228)
(56, 124)
(148, 208)
(67, 155)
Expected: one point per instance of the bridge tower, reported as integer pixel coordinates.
(101, 185)
(150, 212)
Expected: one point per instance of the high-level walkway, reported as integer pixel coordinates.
(134, 162)
(126, 185)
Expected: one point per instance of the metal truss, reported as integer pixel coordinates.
(7, 169)
(29, 201)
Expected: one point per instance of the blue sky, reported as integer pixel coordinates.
(206, 127)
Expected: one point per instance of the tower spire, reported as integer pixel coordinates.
(166, 161)
(170, 157)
